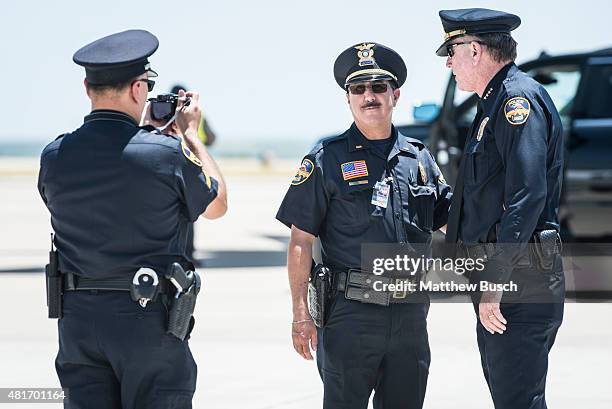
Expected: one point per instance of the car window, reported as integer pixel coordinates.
(560, 81)
(599, 88)
(466, 117)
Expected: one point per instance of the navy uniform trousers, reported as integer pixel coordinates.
(114, 354)
(515, 363)
(367, 347)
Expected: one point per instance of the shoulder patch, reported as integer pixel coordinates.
(190, 155)
(303, 173)
(517, 110)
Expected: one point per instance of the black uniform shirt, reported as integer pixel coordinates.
(513, 164)
(120, 196)
(331, 195)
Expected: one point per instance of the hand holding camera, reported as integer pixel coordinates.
(174, 113)
(188, 114)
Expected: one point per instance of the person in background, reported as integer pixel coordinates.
(208, 137)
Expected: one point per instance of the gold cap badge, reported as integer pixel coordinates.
(365, 54)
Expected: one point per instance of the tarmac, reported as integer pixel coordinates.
(241, 341)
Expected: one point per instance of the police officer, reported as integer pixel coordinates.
(508, 192)
(121, 197)
(370, 184)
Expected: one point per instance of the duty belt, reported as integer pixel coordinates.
(359, 286)
(484, 251)
(528, 258)
(474, 251)
(73, 282)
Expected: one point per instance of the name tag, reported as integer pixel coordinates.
(380, 195)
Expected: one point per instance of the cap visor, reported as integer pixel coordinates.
(151, 73)
(369, 77)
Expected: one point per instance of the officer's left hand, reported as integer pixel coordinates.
(489, 313)
(304, 336)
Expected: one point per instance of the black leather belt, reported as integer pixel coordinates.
(364, 287)
(73, 282)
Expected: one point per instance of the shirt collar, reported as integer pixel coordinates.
(492, 89)
(109, 115)
(356, 140)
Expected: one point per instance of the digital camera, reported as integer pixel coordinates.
(163, 106)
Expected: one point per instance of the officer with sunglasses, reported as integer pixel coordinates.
(121, 198)
(506, 204)
(371, 184)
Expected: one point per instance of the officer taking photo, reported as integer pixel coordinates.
(121, 198)
(506, 203)
(369, 185)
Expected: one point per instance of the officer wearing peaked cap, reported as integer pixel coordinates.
(121, 198)
(506, 203)
(370, 184)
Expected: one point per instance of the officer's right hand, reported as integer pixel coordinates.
(304, 335)
(188, 117)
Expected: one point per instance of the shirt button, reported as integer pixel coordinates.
(366, 295)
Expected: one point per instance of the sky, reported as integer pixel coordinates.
(263, 68)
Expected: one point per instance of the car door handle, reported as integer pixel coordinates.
(601, 188)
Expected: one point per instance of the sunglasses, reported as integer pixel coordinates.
(377, 88)
(450, 49)
(150, 83)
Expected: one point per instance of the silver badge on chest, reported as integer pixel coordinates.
(481, 128)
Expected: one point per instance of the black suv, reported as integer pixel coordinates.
(581, 87)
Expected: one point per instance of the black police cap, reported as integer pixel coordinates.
(368, 62)
(457, 23)
(118, 57)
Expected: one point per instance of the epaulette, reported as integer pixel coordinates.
(419, 144)
(333, 139)
(323, 143)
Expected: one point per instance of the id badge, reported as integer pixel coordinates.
(380, 194)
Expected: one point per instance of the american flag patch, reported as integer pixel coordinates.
(355, 169)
